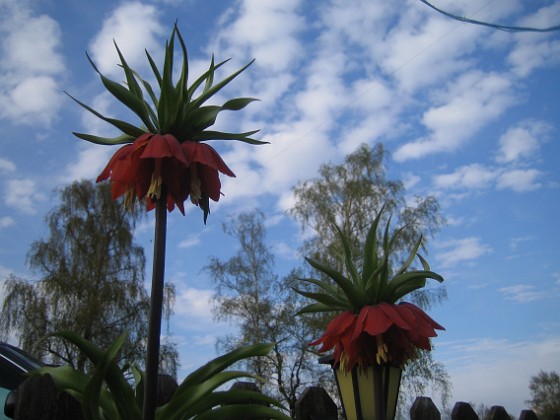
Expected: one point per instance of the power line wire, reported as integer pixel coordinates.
(506, 28)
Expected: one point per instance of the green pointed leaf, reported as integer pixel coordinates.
(350, 267)
(168, 105)
(242, 411)
(181, 87)
(220, 363)
(324, 298)
(234, 396)
(118, 386)
(204, 117)
(406, 289)
(126, 97)
(90, 403)
(218, 135)
(202, 79)
(326, 286)
(125, 127)
(208, 93)
(425, 264)
(238, 103)
(185, 400)
(108, 141)
(356, 299)
(315, 307)
(210, 78)
(154, 67)
(408, 261)
(414, 278)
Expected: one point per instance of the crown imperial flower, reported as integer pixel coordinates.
(166, 155)
(371, 328)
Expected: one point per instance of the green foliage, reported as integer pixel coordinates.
(351, 194)
(179, 110)
(91, 282)
(545, 394)
(376, 282)
(106, 394)
(260, 302)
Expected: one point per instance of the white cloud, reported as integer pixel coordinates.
(519, 180)
(472, 176)
(410, 180)
(135, 28)
(23, 195)
(190, 241)
(7, 165)
(468, 104)
(456, 251)
(515, 242)
(194, 305)
(34, 95)
(91, 159)
(31, 46)
(487, 362)
(523, 293)
(264, 30)
(6, 221)
(477, 177)
(286, 251)
(533, 51)
(31, 66)
(521, 141)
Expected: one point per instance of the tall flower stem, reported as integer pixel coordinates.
(156, 308)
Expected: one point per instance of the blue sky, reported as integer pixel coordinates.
(469, 114)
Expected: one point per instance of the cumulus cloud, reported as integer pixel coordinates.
(23, 195)
(533, 51)
(455, 251)
(468, 104)
(190, 241)
(519, 180)
(522, 141)
(264, 30)
(31, 65)
(194, 305)
(472, 176)
(135, 27)
(7, 166)
(89, 162)
(6, 221)
(523, 293)
(477, 177)
(487, 362)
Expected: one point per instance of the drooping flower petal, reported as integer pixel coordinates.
(373, 321)
(140, 170)
(379, 333)
(392, 312)
(206, 155)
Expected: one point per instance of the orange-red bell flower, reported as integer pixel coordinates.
(140, 170)
(394, 331)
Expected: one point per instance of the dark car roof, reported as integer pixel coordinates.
(14, 365)
(18, 357)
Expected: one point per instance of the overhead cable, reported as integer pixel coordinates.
(506, 28)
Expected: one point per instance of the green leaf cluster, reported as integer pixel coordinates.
(106, 394)
(376, 281)
(180, 109)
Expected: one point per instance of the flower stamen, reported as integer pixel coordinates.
(130, 198)
(196, 190)
(154, 192)
(382, 350)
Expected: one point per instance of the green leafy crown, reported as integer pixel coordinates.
(179, 110)
(375, 283)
